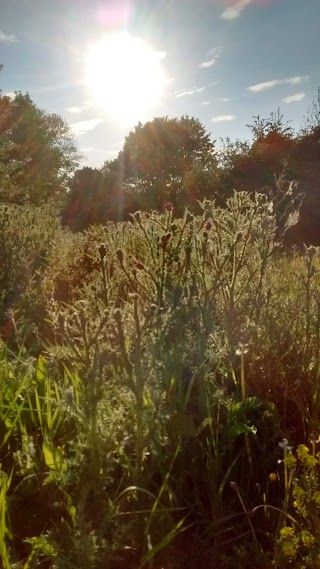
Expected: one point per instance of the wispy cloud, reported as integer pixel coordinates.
(76, 110)
(194, 90)
(82, 127)
(275, 82)
(189, 92)
(294, 98)
(234, 11)
(89, 149)
(223, 118)
(208, 63)
(7, 38)
(205, 103)
(214, 55)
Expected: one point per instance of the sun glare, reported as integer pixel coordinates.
(125, 77)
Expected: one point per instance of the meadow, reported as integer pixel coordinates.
(159, 391)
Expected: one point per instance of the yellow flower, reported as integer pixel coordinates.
(298, 494)
(305, 457)
(307, 539)
(290, 460)
(286, 532)
(273, 476)
(289, 542)
(289, 549)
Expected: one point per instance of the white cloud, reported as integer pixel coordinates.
(275, 82)
(76, 110)
(223, 99)
(89, 149)
(263, 86)
(214, 55)
(297, 80)
(208, 63)
(194, 90)
(82, 127)
(223, 118)
(205, 102)
(7, 38)
(294, 98)
(234, 11)
(10, 94)
(190, 92)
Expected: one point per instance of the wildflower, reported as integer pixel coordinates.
(289, 549)
(168, 206)
(242, 349)
(305, 457)
(307, 538)
(164, 240)
(287, 533)
(285, 445)
(299, 496)
(136, 216)
(273, 477)
(119, 254)
(102, 251)
(290, 459)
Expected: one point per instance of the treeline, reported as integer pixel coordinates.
(165, 160)
(175, 160)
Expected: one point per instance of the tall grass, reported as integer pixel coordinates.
(172, 356)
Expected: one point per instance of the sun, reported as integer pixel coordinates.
(125, 76)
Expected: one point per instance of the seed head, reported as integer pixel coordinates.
(102, 251)
(242, 349)
(136, 216)
(165, 240)
(119, 254)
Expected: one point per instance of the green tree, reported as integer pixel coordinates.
(257, 166)
(274, 124)
(305, 161)
(37, 152)
(97, 196)
(312, 117)
(168, 160)
(86, 201)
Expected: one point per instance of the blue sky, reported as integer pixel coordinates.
(224, 61)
